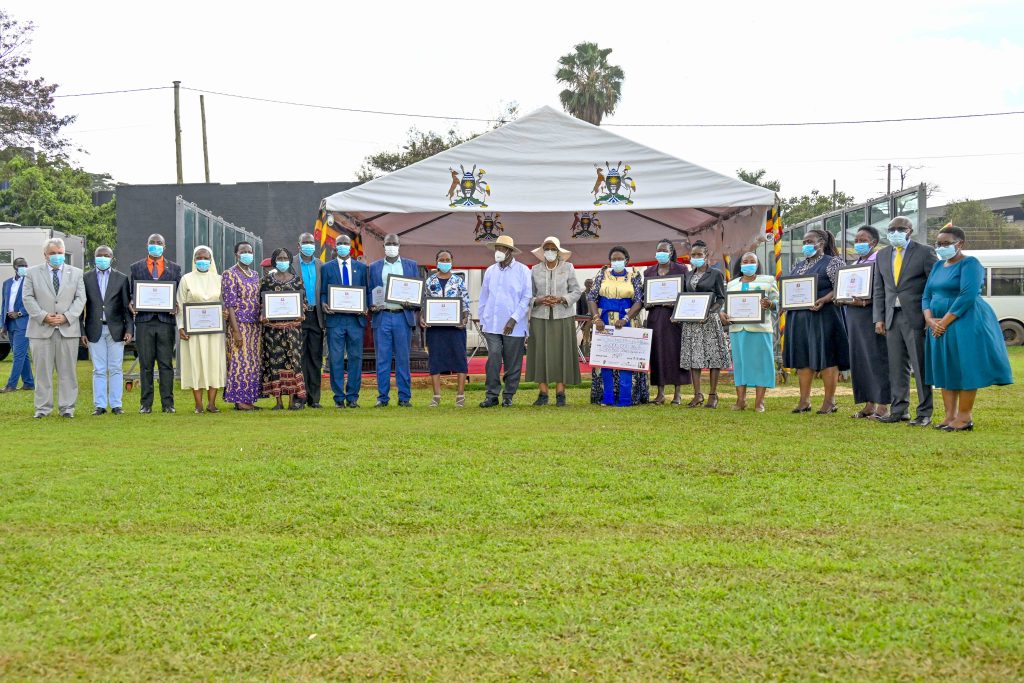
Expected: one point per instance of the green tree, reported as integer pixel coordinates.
(757, 178)
(27, 119)
(799, 209)
(972, 213)
(51, 192)
(594, 85)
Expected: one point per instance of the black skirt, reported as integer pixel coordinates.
(816, 339)
(869, 359)
(447, 350)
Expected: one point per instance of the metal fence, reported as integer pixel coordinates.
(197, 226)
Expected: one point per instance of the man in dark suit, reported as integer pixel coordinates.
(308, 267)
(345, 331)
(15, 319)
(392, 326)
(108, 326)
(901, 271)
(155, 333)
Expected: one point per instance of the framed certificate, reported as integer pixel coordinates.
(153, 296)
(797, 292)
(854, 282)
(744, 307)
(404, 290)
(346, 300)
(282, 306)
(662, 291)
(204, 318)
(439, 311)
(691, 307)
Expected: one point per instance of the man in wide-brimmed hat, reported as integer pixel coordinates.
(504, 307)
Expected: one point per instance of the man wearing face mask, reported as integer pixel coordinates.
(504, 304)
(901, 272)
(345, 331)
(15, 324)
(392, 326)
(54, 298)
(108, 326)
(155, 333)
(312, 332)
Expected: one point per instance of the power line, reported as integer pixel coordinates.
(115, 92)
(814, 123)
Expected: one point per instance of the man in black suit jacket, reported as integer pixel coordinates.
(155, 333)
(107, 326)
(901, 271)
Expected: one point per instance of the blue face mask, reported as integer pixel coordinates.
(22, 271)
(245, 259)
(56, 260)
(748, 268)
(618, 266)
(697, 262)
(103, 262)
(156, 250)
(947, 252)
(897, 239)
(307, 249)
(809, 250)
(344, 250)
(662, 256)
(444, 267)
(282, 265)
(862, 248)
(203, 265)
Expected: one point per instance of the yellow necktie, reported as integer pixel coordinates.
(897, 265)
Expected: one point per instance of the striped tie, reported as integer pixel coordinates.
(56, 281)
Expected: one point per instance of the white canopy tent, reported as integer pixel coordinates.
(549, 173)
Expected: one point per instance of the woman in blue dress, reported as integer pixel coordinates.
(965, 350)
(447, 345)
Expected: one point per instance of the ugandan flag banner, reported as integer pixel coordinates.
(326, 231)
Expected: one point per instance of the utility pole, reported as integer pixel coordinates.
(833, 194)
(177, 128)
(888, 179)
(206, 152)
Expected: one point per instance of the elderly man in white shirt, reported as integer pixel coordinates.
(504, 317)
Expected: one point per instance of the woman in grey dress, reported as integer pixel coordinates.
(705, 344)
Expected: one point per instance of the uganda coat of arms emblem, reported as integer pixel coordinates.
(465, 187)
(613, 183)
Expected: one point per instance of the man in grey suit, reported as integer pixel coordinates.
(308, 267)
(901, 271)
(54, 298)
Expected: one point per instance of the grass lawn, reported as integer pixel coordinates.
(581, 543)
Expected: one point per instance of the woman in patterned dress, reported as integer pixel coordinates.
(615, 299)
(705, 344)
(282, 341)
(815, 338)
(240, 285)
(447, 345)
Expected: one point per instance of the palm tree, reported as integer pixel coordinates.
(594, 85)
(757, 178)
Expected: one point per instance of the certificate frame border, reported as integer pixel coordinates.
(398, 278)
(209, 304)
(147, 283)
(647, 289)
(745, 321)
(870, 267)
(263, 302)
(446, 299)
(813, 279)
(707, 307)
(362, 300)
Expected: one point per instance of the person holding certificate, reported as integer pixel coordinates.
(753, 350)
(704, 344)
(393, 325)
(869, 356)
(815, 338)
(551, 356)
(154, 329)
(202, 355)
(447, 343)
(346, 329)
(242, 300)
(665, 346)
(282, 339)
(616, 300)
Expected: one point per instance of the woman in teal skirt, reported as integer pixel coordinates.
(753, 349)
(965, 350)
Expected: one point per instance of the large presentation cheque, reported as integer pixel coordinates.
(625, 349)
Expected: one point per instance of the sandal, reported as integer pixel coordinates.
(677, 401)
(460, 401)
(712, 404)
(435, 402)
(860, 414)
(740, 406)
(660, 401)
(827, 411)
(698, 400)
(212, 409)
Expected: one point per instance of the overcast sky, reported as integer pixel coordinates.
(725, 62)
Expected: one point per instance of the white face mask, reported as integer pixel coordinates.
(391, 250)
(550, 255)
(499, 256)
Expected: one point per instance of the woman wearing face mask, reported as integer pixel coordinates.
(282, 340)
(753, 350)
(447, 345)
(665, 346)
(551, 356)
(965, 350)
(615, 300)
(815, 338)
(241, 285)
(202, 355)
(704, 344)
(869, 357)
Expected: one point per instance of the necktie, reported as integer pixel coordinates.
(344, 273)
(56, 281)
(156, 275)
(897, 265)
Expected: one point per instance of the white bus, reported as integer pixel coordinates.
(1004, 289)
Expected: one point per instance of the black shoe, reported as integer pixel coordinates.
(489, 403)
(67, 415)
(99, 411)
(892, 419)
(39, 416)
(381, 404)
(339, 405)
(352, 404)
(277, 407)
(560, 400)
(920, 422)
(404, 404)
(7, 390)
(169, 410)
(969, 427)
(145, 411)
(506, 402)
(314, 405)
(116, 411)
(542, 400)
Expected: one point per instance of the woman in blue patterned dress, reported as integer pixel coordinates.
(447, 345)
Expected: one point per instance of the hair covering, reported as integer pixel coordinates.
(205, 286)
(563, 254)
